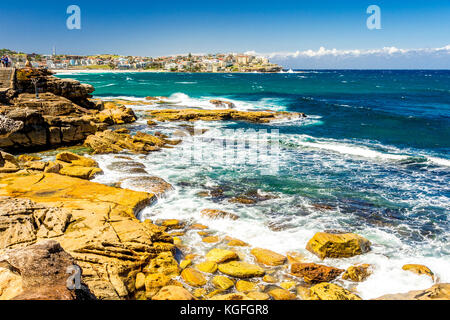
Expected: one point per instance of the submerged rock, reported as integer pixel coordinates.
(217, 255)
(315, 273)
(215, 213)
(337, 245)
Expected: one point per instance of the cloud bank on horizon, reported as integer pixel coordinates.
(384, 58)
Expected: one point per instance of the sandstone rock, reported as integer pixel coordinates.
(11, 284)
(440, 291)
(256, 295)
(207, 266)
(269, 279)
(198, 226)
(112, 142)
(173, 293)
(193, 277)
(357, 273)
(154, 282)
(214, 213)
(315, 273)
(268, 257)
(171, 224)
(281, 294)
(211, 239)
(44, 269)
(185, 263)
(295, 257)
(237, 243)
(222, 282)
(28, 158)
(86, 173)
(288, 285)
(246, 286)
(8, 163)
(217, 255)
(330, 291)
(151, 184)
(103, 235)
(76, 160)
(231, 296)
(337, 245)
(419, 269)
(216, 115)
(114, 113)
(35, 165)
(241, 269)
(222, 103)
(140, 281)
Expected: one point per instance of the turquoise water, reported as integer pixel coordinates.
(373, 157)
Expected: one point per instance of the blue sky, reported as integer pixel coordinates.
(282, 29)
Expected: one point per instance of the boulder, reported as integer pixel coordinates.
(246, 286)
(268, 257)
(152, 184)
(193, 277)
(45, 270)
(217, 255)
(337, 245)
(330, 291)
(281, 294)
(357, 273)
(76, 160)
(240, 269)
(222, 103)
(315, 273)
(154, 282)
(256, 295)
(207, 267)
(419, 269)
(222, 282)
(8, 163)
(173, 293)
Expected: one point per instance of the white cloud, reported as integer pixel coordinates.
(323, 52)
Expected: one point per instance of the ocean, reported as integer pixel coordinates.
(373, 157)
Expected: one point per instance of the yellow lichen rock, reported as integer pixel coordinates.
(419, 269)
(94, 223)
(185, 263)
(173, 293)
(231, 296)
(140, 281)
(240, 269)
(207, 267)
(269, 279)
(28, 158)
(268, 257)
(330, 291)
(246, 286)
(337, 245)
(221, 255)
(86, 173)
(281, 294)
(154, 282)
(222, 282)
(256, 295)
(288, 285)
(357, 273)
(193, 277)
(211, 239)
(76, 160)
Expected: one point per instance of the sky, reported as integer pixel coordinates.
(297, 34)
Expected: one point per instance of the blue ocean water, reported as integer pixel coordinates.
(373, 157)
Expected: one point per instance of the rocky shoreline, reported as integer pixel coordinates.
(53, 218)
